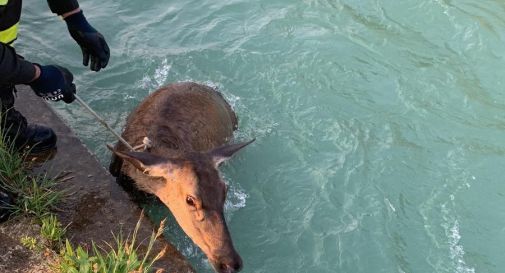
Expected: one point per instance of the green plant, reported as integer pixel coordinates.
(29, 242)
(76, 260)
(12, 163)
(52, 230)
(34, 194)
(122, 258)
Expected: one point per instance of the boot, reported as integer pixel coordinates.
(34, 139)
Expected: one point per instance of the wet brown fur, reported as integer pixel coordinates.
(179, 119)
(183, 122)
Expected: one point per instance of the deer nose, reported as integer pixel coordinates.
(231, 266)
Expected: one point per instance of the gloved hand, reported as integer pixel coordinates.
(54, 83)
(92, 43)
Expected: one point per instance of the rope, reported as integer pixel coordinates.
(102, 121)
(146, 144)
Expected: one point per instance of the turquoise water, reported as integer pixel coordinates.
(379, 124)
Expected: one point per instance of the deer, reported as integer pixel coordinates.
(189, 127)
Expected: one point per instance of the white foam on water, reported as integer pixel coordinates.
(231, 98)
(449, 240)
(352, 226)
(158, 78)
(128, 97)
(236, 199)
(214, 85)
(457, 252)
(390, 205)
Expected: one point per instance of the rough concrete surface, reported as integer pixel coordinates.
(95, 205)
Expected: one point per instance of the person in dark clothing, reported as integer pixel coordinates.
(51, 82)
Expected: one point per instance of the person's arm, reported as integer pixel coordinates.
(13, 69)
(50, 82)
(95, 51)
(61, 7)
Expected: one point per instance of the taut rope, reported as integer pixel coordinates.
(102, 121)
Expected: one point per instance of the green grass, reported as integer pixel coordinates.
(34, 194)
(123, 257)
(52, 231)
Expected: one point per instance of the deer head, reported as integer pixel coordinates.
(193, 190)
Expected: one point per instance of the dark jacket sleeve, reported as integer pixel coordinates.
(62, 6)
(14, 69)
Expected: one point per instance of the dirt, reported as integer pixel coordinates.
(14, 257)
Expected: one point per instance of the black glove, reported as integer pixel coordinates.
(54, 83)
(92, 43)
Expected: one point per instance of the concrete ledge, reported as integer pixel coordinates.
(96, 205)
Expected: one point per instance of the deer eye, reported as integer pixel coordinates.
(190, 200)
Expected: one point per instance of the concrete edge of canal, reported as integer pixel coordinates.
(95, 206)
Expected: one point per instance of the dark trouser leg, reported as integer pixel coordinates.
(34, 139)
(13, 123)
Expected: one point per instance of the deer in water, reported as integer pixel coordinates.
(189, 126)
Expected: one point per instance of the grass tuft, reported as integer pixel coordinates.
(124, 257)
(52, 231)
(35, 195)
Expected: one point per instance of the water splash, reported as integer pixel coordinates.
(236, 198)
(456, 250)
(153, 81)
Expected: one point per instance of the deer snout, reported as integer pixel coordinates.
(230, 264)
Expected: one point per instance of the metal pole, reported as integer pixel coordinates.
(102, 121)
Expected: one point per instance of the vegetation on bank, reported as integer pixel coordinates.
(36, 196)
(121, 257)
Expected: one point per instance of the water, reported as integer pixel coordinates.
(379, 124)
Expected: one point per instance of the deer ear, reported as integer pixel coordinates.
(149, 164)
(223, 153)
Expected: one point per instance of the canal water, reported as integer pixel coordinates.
(380, 125)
